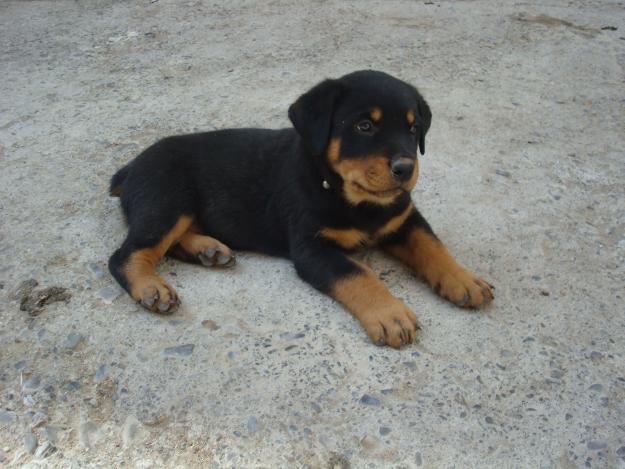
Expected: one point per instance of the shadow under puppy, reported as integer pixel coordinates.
(339, 181)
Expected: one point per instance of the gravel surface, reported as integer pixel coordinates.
(523, 180)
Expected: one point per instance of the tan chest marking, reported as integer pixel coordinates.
(352, 238)
(349, 238)
(394, 223)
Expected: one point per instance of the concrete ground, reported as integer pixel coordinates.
(523, 179)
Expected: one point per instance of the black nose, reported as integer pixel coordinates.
(401, 168)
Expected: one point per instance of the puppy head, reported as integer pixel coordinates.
(367, 127)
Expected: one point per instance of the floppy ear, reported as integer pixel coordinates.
(311, 115)
(426, 120)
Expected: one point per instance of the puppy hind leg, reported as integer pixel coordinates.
(198, 248)
(134, 265)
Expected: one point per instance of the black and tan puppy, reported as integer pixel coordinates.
(339, 181)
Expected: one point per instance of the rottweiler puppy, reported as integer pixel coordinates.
(338, 181)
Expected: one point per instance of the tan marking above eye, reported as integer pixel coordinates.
(376, 114)
(334, 151)
(410, 117)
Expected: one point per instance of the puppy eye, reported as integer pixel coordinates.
(413, 129)
(365, 127)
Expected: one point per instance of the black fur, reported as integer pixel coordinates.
(261, 190)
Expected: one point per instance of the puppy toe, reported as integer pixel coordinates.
(225, 260)
(156, 295)
(213, 257)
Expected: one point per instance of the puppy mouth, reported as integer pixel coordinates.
(382, 193)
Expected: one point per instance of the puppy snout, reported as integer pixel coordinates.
(401, 168)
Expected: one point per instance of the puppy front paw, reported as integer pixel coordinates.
(463, 288)
(392, 324)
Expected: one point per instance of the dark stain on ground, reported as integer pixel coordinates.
(210, 325)
(338, 461)
(33, 301)
(546, 20)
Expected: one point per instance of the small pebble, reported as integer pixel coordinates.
(32, 383)
(316, 407)
(30, 442)
(252, 425)
(384, 431)
(369, 400)
(6, 417)
(489, 420)
(95, 270)
(45, 450)
(72, 341)
(85, 432)
(503, 172)
(51, 433)
(72, 386)
(596, 445)
(101, 372)
(109, 293)
(130, 430)
(621, 452)
(180, 350)
(38, 419)
(596, 387)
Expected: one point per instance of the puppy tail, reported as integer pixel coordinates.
(117, 181)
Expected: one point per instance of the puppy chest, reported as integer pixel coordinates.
(347, 238)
